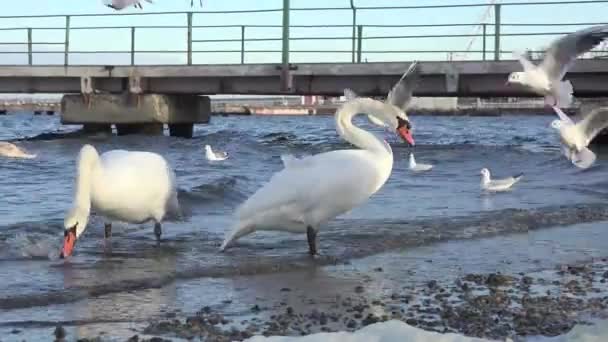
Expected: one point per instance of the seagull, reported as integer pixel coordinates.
(13, 151)
(418, 167)
(575, 137)
(122, 4)
(546, 78)
(312, 190)
(214, 156)
(496, 185)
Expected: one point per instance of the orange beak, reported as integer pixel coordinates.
(406, 135)
(69, 242)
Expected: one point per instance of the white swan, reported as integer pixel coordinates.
(315, 189)
(575, 137)
(133, 187)
(13, 151)
(418, 167)
(121, 4)
(495, 185)
(214, 156)
(546, 78)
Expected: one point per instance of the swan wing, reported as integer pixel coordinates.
(401, 94)
(316, 188)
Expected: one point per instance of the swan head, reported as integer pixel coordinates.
(517, 77)
(404, 129)
(75, 222)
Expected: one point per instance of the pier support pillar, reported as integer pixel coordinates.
(97, 128)
(180, 112)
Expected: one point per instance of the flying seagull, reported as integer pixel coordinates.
(122, 4)
(546, 78)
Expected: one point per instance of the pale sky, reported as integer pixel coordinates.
(175, 39)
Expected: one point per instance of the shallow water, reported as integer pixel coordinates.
(139, 281)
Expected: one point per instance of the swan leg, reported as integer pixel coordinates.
(311, 234)
(107, 235)
(157, 231)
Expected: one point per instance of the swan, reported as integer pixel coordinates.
(128, 186)
(214, 156)
(575, 137)
(496, 185)
(121, 4)
(313, 190)
(13, 151)
(546, 78)
(418, 167)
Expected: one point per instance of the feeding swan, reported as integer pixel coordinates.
(128, 186)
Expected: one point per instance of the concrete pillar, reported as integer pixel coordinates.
(97, 128)
(142, 129)
(146, 116)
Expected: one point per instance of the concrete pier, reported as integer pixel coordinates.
(133, 114)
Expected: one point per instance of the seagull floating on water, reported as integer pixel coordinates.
(496, 185)
(418, 167)
(122, 4)
(546, 78)
(213, 155)
(13, 151)
(575, 137)
(127, 186)
(313, 190)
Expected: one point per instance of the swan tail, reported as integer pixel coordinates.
(240, 230)
(564, 96)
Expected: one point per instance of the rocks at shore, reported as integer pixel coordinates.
(492, 306)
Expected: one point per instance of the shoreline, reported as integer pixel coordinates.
(495, 306)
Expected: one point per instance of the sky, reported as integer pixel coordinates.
(87, 40)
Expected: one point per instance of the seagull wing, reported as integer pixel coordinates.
(562, 116)
(564, 51)
(593, 123)
(401, 94)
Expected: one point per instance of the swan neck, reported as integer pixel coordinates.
(355, 135)
(86, 171)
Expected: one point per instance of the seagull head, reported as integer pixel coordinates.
(557, 124)
(516, 77)
(485, 172)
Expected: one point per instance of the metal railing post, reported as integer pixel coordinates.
(242, 44)
(497, 32)
(189, 38)
(29, 46)
(285, 79)
(484, 41)
(132, 45)
(66, 44)
(354, 9)
(359, 42)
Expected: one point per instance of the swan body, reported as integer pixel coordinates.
(214, 155)
(496, 185)
(122, 4)
(13, 151)
(127, 186)
(313, 190)
(418, 167)
(575, 137)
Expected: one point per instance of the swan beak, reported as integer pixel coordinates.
(403, 129)
(68, 243)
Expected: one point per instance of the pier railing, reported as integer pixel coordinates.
(271, 38)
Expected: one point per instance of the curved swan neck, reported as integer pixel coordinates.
(412, 161)
(355, 135)
(88, 163)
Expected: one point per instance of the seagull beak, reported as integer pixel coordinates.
(69, 241)
(404, 131)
